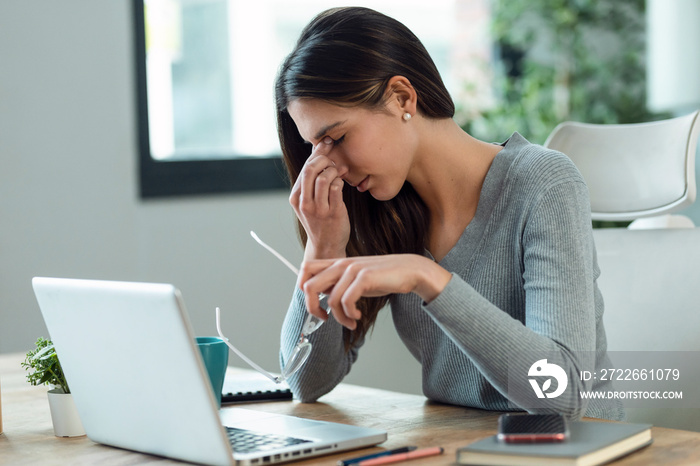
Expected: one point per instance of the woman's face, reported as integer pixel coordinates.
(375, 147)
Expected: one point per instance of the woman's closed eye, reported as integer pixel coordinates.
(339, 140)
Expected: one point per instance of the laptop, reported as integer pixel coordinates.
(139, 383)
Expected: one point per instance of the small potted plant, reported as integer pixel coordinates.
(45, 369)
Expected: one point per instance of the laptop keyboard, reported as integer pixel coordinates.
(246, 441)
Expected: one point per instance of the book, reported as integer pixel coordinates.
(589, 443)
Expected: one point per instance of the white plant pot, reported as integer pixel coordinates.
(66, 422)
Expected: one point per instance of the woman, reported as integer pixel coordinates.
(484, 251)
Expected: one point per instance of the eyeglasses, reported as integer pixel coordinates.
(302, 350)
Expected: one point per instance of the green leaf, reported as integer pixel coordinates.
(43, 352)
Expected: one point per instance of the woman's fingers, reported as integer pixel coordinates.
(335, 197)
(323, 189)
(317, 191)
(332, 277)
(340, 299)
(355, 284)
(313, 305)
(347, 280)
(330, 282)
(315, 165)
(317, 200)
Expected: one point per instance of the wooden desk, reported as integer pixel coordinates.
(409, 419)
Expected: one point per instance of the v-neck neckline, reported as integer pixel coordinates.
(466, 245)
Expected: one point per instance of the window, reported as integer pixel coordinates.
(186, 118)
(205, 79)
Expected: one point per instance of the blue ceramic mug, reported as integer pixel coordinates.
(215, 355)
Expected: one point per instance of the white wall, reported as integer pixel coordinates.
(69, 202)
(648, 279)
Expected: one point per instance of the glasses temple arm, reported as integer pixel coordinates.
(241, 355)
(274, 252)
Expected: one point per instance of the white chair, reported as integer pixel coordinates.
(635, 171)
(648, 276)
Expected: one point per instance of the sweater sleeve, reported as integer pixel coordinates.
(558, 280)
(328, 362)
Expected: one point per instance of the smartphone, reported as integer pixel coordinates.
(532, 428)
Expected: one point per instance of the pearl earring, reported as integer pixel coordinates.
(406, 116)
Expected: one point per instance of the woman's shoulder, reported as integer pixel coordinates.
(536, 164)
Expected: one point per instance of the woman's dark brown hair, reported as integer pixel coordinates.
(346, 56)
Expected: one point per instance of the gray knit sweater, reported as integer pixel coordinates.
(523, 289)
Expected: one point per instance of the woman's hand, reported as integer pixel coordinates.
(317, 199)
(347, 280)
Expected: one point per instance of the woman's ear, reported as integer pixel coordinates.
(401, 97)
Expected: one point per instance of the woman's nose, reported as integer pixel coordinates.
(339, 164)
(342, 170)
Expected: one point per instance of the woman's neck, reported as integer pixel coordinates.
(449, 169)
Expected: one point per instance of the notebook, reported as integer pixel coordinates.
(121, 343)
(252, 386)
(590, 443)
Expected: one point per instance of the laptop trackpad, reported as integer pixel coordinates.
(280, 424)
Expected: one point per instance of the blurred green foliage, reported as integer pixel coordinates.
(565, 60)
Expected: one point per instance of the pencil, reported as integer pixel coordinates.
(422, 453)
